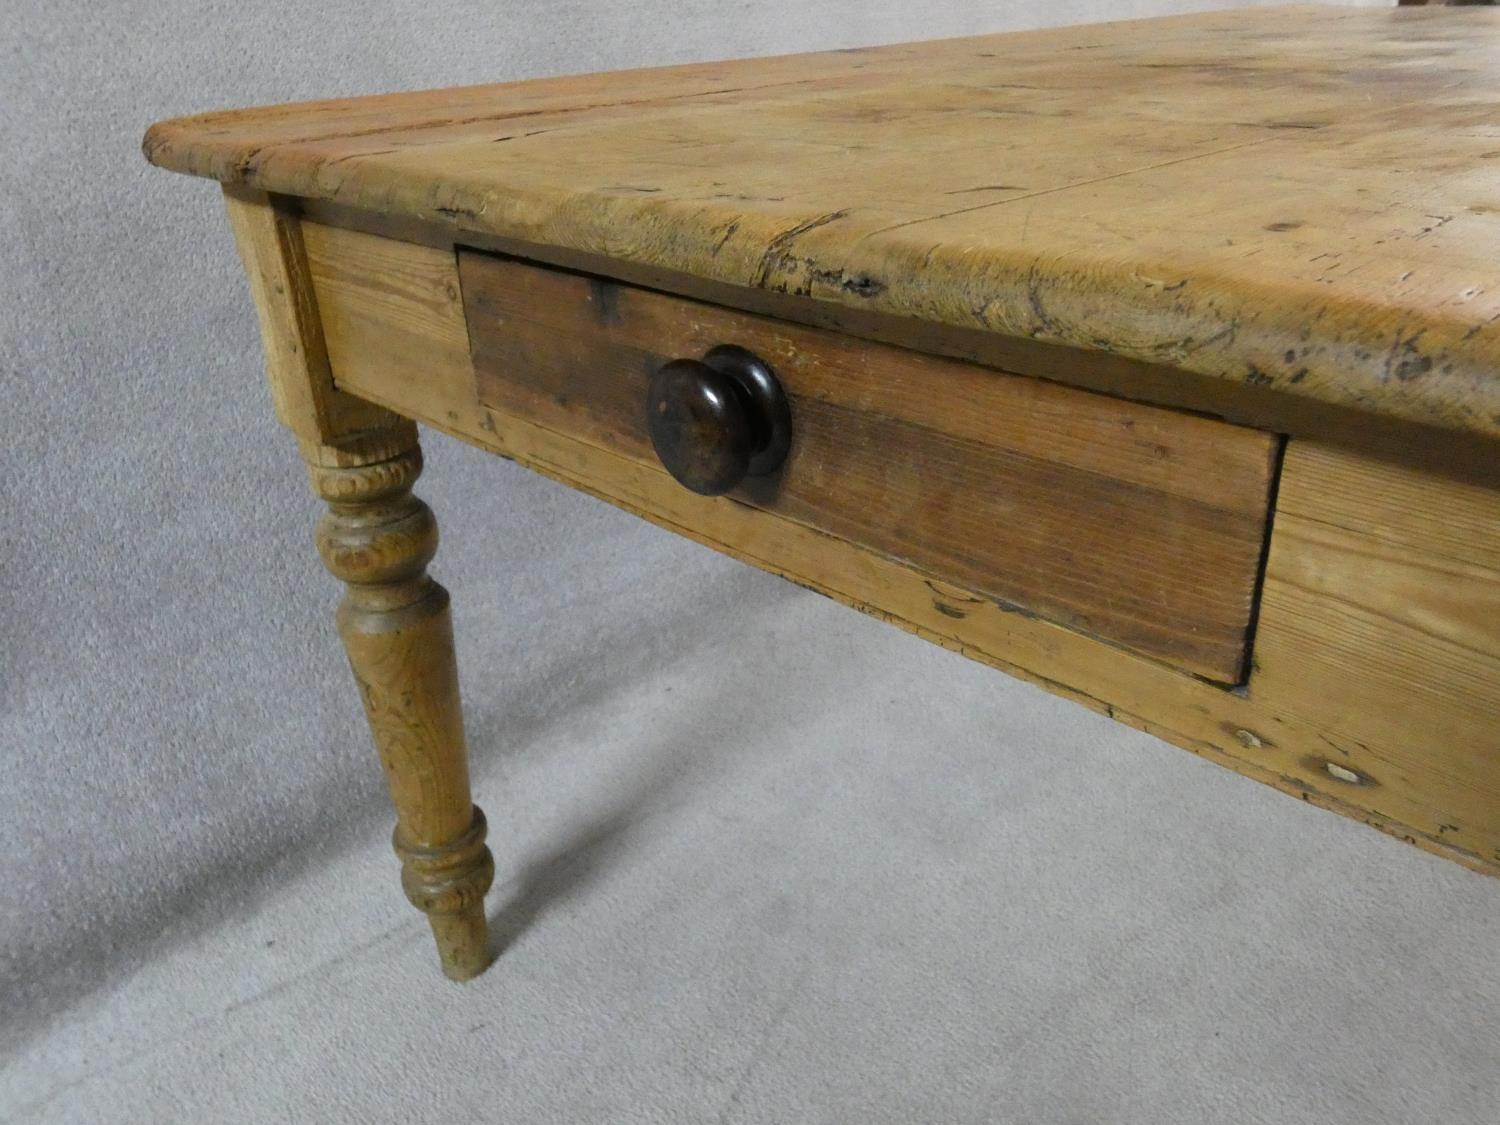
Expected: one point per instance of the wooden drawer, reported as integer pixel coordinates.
(1133, 524)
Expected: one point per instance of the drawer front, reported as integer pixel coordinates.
(1133, 524)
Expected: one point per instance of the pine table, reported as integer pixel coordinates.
(1157, 363)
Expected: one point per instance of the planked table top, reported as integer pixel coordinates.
(1302, 199)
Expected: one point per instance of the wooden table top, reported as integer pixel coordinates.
(1305, 199)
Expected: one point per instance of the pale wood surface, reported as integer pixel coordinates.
(268, 235)
(1140, 525)
(1294, 199)
(1378, 645)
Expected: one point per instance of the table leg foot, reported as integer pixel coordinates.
(448, 883)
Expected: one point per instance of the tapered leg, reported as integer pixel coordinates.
(378, 538)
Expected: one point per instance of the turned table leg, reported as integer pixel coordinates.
(378, 538)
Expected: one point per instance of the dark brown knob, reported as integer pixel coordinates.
(717, 420)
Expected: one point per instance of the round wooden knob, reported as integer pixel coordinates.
(717, 420)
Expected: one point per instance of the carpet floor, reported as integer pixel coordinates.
(760, 859)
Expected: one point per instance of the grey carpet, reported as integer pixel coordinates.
(760, 859)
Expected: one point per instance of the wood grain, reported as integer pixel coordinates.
(1292, 199)
(268, 234)
(1378, 645)
(1134, 524)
